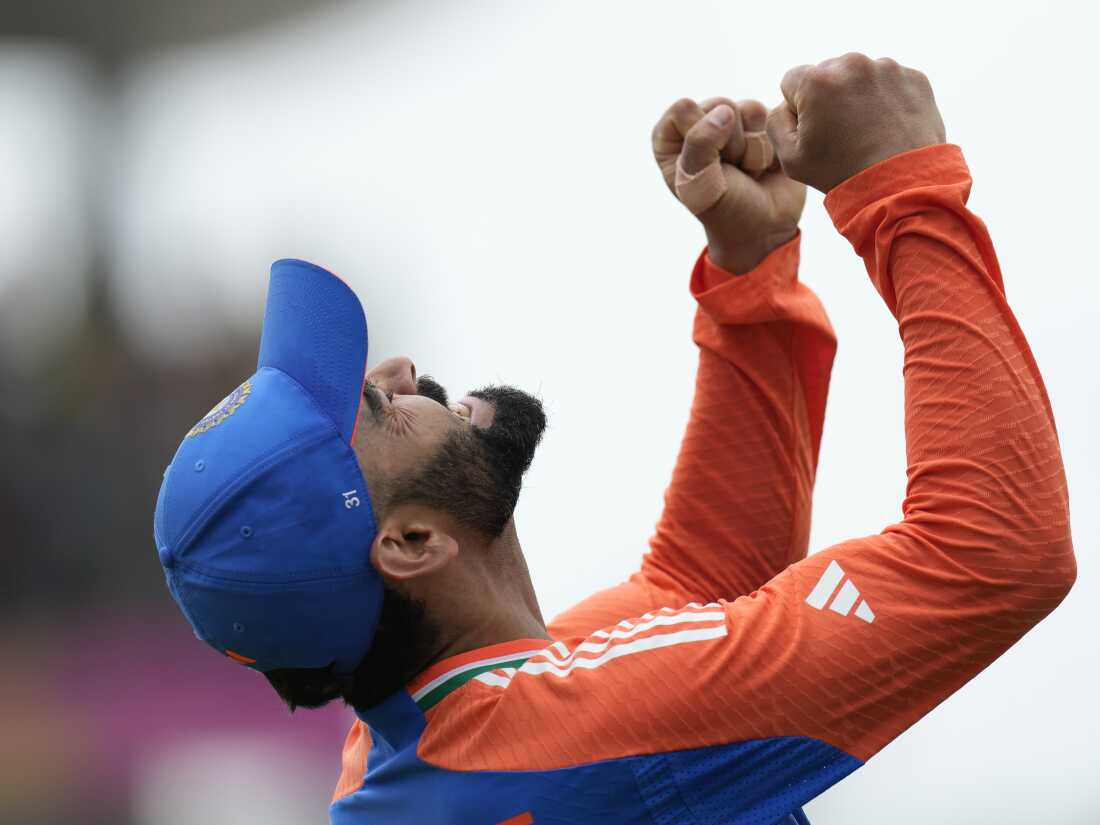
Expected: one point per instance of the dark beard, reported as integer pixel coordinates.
(477, 473)
(476, 477)
(430, 388)
(519, 422)
(406, 642)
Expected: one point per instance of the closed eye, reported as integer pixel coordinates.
(370, 385)
(371, 393)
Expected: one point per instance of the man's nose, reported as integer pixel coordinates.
(398, 375)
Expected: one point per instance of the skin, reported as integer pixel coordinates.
(479, 596)
(757, 213)
(848, 113)
(836, 119)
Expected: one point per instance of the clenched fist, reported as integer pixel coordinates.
(754, 213)
(850, 112)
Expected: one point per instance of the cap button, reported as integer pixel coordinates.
(166, 557)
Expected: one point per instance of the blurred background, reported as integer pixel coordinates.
(480, 172)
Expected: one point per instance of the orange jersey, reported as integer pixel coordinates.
(732, 679)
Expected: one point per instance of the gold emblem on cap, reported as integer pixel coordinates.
(222, 410)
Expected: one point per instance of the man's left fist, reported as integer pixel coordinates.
(745, 216)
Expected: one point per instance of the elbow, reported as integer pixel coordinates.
(1052, 575)
(1037, 547)
(1038, 571)
(1040, 524)
(1065, 573)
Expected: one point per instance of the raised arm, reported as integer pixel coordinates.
(751, 708)
(737, 510)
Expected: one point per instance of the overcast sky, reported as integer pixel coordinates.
(481, 174)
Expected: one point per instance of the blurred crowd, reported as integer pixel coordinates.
(105, 696)
(110, 711)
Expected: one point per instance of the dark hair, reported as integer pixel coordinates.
(475, 475)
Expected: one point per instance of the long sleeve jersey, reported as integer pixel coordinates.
(733, 678)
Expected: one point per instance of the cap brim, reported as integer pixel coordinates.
(315, 331)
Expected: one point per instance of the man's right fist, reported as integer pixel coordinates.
(850, 112)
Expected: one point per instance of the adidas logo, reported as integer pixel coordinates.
(843, 599)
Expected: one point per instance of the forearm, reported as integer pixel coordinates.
(842, 651)
(857, 642)
(737, 510)
(986, 494)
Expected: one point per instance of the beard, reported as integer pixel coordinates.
(476, 476)
(477, 473)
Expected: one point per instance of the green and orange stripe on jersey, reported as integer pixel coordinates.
(430, 687)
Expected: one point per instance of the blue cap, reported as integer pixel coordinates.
(264, 523)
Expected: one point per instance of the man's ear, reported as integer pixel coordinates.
(412, 542)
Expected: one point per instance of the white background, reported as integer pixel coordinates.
(481, 173)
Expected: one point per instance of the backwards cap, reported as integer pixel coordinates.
(264, 523)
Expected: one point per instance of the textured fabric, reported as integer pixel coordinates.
(738, 509)
(765, 354)
(822, 661)
(745, 783)
(264, 524)
(316, 332)
(748, 783)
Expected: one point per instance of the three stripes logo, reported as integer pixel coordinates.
(825, 594)
(655, 630)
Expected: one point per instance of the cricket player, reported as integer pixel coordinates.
(354, 539)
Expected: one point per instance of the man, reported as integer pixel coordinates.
(361, 545)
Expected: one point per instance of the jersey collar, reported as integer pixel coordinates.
(446, 676)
